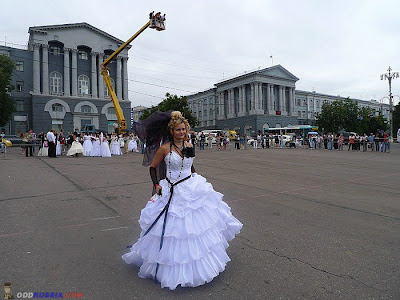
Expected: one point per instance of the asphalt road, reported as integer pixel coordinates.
(317, 224)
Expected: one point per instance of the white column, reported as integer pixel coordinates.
(273, 106)
(268, 99)
(261, 98)
(293, 101)
(240, 101)
(125, 78)
(233, 105)
(74, 77)
(94, 75)
(256, 95)
(230, 108)
(66, 72)
(101, 79)
(36, 69)
(252, 100)
(280, 106)
(244, 104)
(119, 78)
(284, 102)
(221, 106)
(45, 69)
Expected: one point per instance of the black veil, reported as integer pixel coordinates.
(153, 131)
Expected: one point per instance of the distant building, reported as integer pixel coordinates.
(261, 99)
(138, 112)
(58, 80)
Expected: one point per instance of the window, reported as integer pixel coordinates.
(57, 107)
(317, 104)
(205, 113)
(55, 50)
(19, 86)
(111, 111)
(304, 102)
(55, 83)
(83, 55)
(298, 102)
(299, 114)
(20, 105)
(199, 114)
(83, 85)
(303, 113)
(211, 101)
(86, 109)
(106, 93)
(19, 66)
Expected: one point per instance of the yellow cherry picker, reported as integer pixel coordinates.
(157, 21)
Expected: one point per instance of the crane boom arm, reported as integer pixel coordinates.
(107, 79)
(123, 46)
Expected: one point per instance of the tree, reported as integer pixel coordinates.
(7, 106)
(348, 116)
(396, 118)
(173, 102)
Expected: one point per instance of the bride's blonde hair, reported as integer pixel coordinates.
(177, 119)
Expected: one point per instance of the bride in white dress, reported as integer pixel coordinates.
(115, 146)
(185, 231)
(132, 146)
(105, 146)
(87, 145)
(96, 146)
(76, 148)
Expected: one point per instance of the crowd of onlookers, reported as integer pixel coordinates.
(342, 141)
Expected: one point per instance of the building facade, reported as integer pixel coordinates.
(259, 100)
(59, 83)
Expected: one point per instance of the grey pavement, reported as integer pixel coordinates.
(317, 224)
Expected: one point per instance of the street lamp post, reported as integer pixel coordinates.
(389, 76)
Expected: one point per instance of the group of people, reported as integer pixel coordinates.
(157, 20)
(53, 144)
(379, 142)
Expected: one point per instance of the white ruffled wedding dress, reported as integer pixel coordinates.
(198, 227)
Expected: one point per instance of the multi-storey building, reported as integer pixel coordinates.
(261, 99)
(58, 80)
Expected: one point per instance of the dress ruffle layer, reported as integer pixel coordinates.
(198, 228)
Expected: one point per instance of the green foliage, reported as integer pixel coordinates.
(173, 102)
(7, 106)
(348, 116)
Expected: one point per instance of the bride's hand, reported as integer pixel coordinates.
(158, 190)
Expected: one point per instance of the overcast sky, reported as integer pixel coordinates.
(333, 47)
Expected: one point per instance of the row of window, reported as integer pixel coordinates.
(55, 50)
(56, 85)
(84, 109)
(19, 107)
(19, 65)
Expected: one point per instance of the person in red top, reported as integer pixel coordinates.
(351, 143)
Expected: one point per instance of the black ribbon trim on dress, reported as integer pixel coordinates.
(165, 210)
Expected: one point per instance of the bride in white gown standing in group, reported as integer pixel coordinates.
(115, 146)
(132, 146)
(96, 146)
(186, 229)
(87, 145)
(105, 146)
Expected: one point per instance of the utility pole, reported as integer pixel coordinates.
(389, 76)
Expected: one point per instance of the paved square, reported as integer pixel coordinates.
(317, 224)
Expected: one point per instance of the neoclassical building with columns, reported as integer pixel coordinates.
(262, 99)
(247, 102)
(59, 83)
